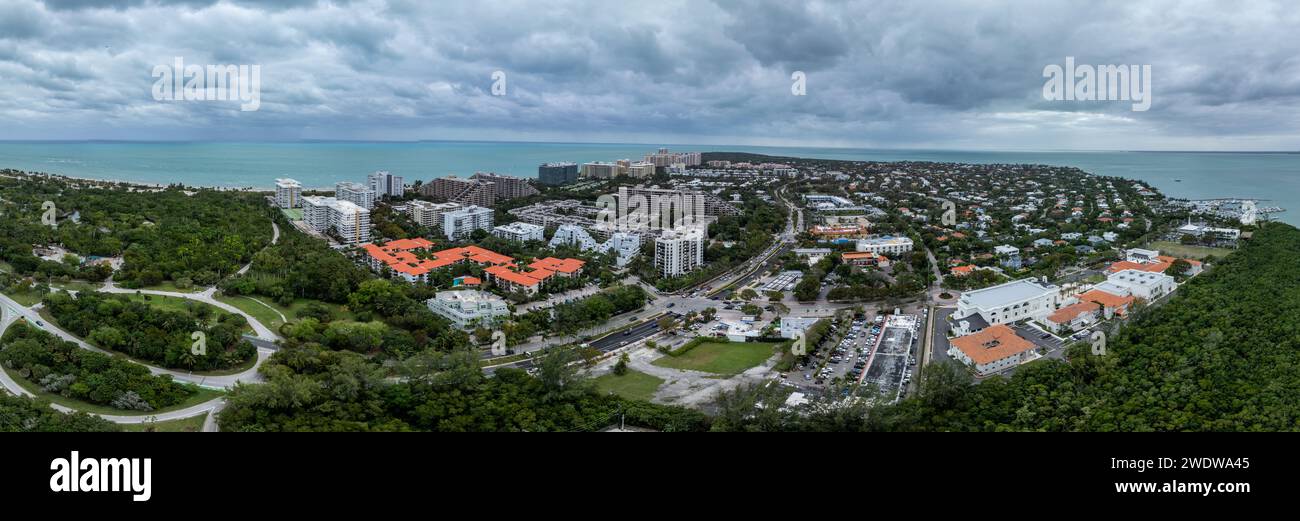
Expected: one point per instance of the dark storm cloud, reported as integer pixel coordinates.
(892, 73)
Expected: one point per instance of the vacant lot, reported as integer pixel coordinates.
(634, 385)
(1188, 252)
(720, 357)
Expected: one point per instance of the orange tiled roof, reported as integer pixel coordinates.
(531, 278)
(991, 344)
(1069, 313)
(398, 257)
(569, 266)
(1106, 299)
(963, 270)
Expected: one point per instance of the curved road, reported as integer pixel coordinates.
(11, 311)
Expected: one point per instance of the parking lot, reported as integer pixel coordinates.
(845, 355)
(890, 370)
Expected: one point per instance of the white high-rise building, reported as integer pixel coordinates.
(350, 222)
(429, 214)
(386, 184)
(356, 193)
(459, 224)
(288, 193)
(519, 232)
(680, 251)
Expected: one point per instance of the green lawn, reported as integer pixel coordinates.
(170, 286)
(202, 396)
(26, 298)
(720, 357)
(1190, 252)
(272, 320)
(634, 385)
(294, 214)
(191, 424)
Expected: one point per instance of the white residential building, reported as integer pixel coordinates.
(429, 214)
(626, 246)
(680, 251)
(572, 234)
(460, 224)
(1003, 304)
(288, 193)
(385, 184)
(468, 309)
(886, 245)
(350, 222)
(641, 170)
(356, 193)
(519, 232)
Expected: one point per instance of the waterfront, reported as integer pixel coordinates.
(1271, 176)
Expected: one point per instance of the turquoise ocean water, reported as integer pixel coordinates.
(1271, 176)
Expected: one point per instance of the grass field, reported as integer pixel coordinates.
(634, 385)
(26, 298)
(191, 424)
(720, 357)
(266, 315)
(32, 387)
(1189, 252)
(169, 286)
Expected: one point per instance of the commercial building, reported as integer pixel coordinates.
(1139, 284)
(1076, 316)
(678, 252)
(1152, 261)
(812, 255)
(356, 193)
(864, 258)
(460, 224)
(1111, 304)
(519, 232)
(791, 326)
(1004, 304)
(385, 184)
(555, 174)
(708, 203)
(886, 245)
(347, 221)
(452, 189)
(991, 350)
(506, 187)
(626, 246)
(429, 214)
(469, 308)
(288, 193)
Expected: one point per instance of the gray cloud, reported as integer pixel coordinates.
(886, 73)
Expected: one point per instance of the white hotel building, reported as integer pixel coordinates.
(678, 252)
(1004, 304)
(350, 222)
(430, 214)
(288, 193)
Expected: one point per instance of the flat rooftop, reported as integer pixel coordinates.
(1002, 294)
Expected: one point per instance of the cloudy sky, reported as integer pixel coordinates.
(879, 73)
